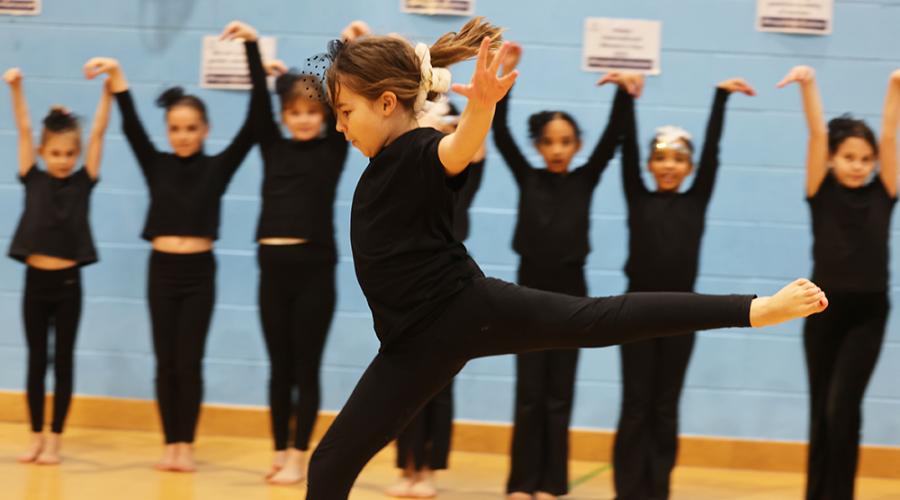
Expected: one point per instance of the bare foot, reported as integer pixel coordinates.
(277, 463)
(796, 300)
(50, 454)
(34, 448)
(184, 458)
(423, 488)
(294, 469)
(540, 495)
(518, 495)
(167, 462)
(400, 489)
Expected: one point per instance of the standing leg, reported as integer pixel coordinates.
(36, 313)
(529, 442)
(856, 360)
(398, 384)
(193, 327)
(560, 374)
(68, 315)
(311, 314)
(275, 314)
(633, 443)
(822, 336)
(163, 301)
(673, 355)
(440, 429)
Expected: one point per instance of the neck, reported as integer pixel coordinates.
(399, 126)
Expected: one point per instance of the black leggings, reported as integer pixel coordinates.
(296, 305)
(426, 440)
(842, 346)
(51, 298)
(181, 292)
(491, 317)
(545, 391)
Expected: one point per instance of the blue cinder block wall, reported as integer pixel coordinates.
(740, 383)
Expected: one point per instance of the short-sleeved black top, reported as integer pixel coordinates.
(851, 231)
(407, 260)
(55, 221)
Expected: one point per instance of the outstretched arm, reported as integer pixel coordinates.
(503, 138)
(98, 132)
(456, 150)
(888, 146)
(817, 148)
(13, 77)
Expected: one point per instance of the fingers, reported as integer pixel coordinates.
(464, 90)
(482, 60)
(230, 31)
(508, 80)
(495, 63)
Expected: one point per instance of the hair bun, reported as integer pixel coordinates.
(59, 119)
(284, 83)
(169, 97)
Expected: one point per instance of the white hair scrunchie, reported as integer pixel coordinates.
(671, 133)
(432, 79)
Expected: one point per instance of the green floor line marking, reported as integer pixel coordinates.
(587, 477)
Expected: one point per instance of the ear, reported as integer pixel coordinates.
(386, 103)
(577, 145)
(205, 131)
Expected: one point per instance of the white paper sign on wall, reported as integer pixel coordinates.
(20, 7)
(811, 17)
(224, 62)
(438, 7)
(622, 45)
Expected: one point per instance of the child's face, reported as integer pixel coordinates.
(186, 130)
(303, 118)
(670, 167)
(60, 153)
(853, 162)
(558, 144)
(363, 122)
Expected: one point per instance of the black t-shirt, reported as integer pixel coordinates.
(464, 198)
(407, 260)
(851, 231)
(55, 221)
(554, 208)
(666, 229)
(301, 177)
(185, 193)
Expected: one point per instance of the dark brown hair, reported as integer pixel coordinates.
(844, 127)
(175, 96)
(372, 65)
(60, 121)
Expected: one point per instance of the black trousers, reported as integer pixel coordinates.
(646, 444)
(426, 440)
(491, 317)
(181, 293)
(296, 305)
(52, 299)
(545, 391)
(842, 346)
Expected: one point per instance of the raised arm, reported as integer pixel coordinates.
(98, 132)
(13, 77)
(457, 150)
(817, 147)
(265, 128)
(131, 124)
(709, 157)
(503, 138)
(630, 86)
(888, 146)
